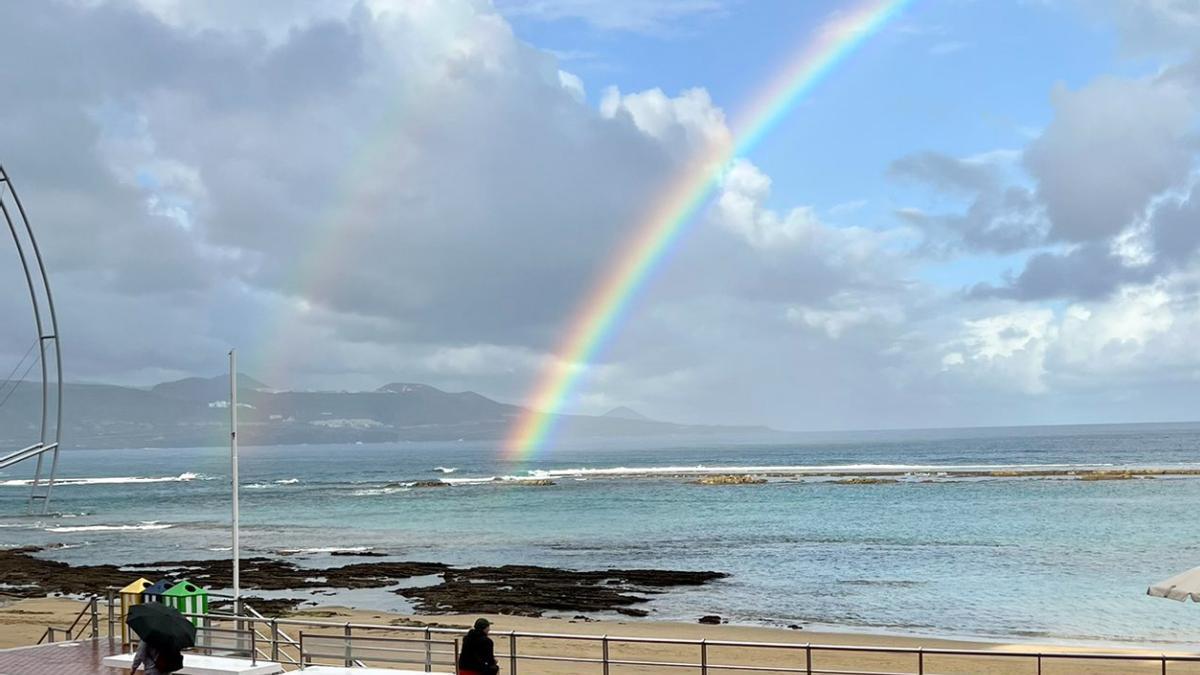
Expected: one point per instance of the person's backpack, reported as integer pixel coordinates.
(168, 662)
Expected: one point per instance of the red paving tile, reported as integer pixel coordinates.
(60, 658)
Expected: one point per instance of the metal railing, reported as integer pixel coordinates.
(274, 638)
(355, 650)
(217, 640)
(606, 654)
(90, 615)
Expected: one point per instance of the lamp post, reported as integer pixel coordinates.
(233, 452)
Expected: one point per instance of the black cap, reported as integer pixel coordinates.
(482, 623)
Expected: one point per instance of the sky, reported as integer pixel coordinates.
(987, 214)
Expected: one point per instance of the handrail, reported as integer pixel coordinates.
(704, 665)
(281, 641)
(26, 453)
(89, 610)
(78, 617)
(276, 634)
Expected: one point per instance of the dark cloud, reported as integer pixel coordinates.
(1150, 26)
(1176, 228)
(1112, 147)
(1000, 218)
(1102, 169)
(1089, 272)
(1093, 271)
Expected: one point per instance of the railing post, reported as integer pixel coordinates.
(429, 651)
(1039, 672)
(920, 661)
(111, 619)
(512, 654)
(1164, 664)
(604, 654)
(239, 625)
(95, 617)
(703, 656)
(349, 654)
(253, 644)
(275, 640)
(808, 658)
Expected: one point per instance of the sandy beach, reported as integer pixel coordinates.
(23, 621)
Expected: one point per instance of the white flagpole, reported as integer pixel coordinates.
(233, 451)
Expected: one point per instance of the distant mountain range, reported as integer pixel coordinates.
(195, 412)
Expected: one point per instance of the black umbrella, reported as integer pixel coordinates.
(161, 626)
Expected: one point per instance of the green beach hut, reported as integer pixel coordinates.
(188, 598)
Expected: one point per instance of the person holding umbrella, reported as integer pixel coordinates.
(164, 634)
(147, 658)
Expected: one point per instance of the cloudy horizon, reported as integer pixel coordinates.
(989, 214)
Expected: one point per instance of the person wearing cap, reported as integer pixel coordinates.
(478, 655)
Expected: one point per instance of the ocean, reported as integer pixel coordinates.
(1034, 558)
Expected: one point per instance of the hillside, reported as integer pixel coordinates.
(195, 412)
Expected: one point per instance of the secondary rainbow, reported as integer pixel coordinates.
(667, 219)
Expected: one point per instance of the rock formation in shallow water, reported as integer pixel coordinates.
(510, 589)
(730, 479)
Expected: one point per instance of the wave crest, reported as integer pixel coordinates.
(185, 477)
(111, 528)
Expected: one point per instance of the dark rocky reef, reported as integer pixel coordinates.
(529, 591)
(867, 480)
(510, 589)
(730, 479)
(264, 606)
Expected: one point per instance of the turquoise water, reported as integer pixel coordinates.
(995, 558)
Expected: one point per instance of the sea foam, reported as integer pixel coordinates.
(110, 480)
(111, 528)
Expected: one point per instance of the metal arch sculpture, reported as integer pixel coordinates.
(46, 324)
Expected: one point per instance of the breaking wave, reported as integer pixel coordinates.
(373, 492)
(904, 473)
(110, 480)
(325, 549)
(472, 481)
(112, 528)
(809, 470)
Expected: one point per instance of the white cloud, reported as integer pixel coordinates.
(688, 122)
(356, 193)
(1113, 337)
(849, 310)
(1135, 338)
(1004, 349)
(482, 359)
(573, 84)
(741, 208)
(628, 15)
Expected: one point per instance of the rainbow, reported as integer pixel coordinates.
(665, 222)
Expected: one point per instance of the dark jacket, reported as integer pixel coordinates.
(478, 654)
